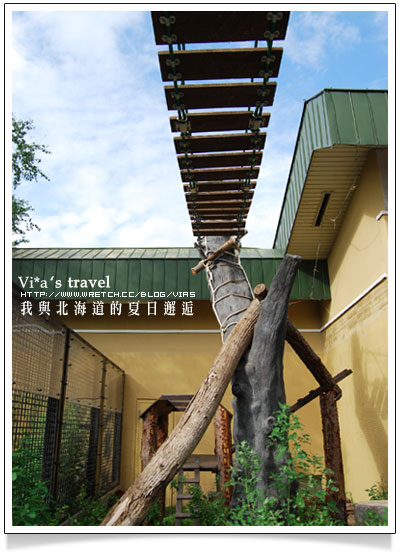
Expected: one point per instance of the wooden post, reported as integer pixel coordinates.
(149, 436)
(133, 506)
(155, 432)
(223, 449)
(332, 449)
(162, 434)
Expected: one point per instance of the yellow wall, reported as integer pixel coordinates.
(358, 338)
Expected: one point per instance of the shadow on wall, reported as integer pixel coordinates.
(371, 401)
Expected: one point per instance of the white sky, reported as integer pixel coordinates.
(90, 81)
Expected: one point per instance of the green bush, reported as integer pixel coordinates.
(378, 491)
(32, 504)
(209, 508)
(92, 510)
(372, 518)
(302, 485)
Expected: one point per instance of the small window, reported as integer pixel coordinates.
(322, 209)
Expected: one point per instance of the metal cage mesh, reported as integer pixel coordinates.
(64, 390)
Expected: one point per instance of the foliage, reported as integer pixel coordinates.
(154, 517)
(25, 163)
(379, 491)
(251, 510)
(92, 510)
(373, 518)
(31, 500)
(33, 505)
(302, 485)
(73, 460)
(209, 508)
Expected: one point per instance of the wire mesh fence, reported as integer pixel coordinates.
(67, 402)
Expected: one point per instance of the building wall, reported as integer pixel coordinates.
(358, 337)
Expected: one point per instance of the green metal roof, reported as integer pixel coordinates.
(153, 270)
(132, 253)
(332, 117)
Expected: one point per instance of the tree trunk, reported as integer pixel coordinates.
(264, 373)
(134, 505)
(257, 384)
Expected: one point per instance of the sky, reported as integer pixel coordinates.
(90, 81)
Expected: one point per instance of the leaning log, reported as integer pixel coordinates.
(311, 360)
(136, 502)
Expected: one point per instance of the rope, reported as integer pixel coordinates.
(232, 314)
(232, 294)
(183, 122)
(229, 325)
(255, 122)
(214, 300)
(228, 282)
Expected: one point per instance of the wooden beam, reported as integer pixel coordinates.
(229, 244)
(312, 395)
(311, 359)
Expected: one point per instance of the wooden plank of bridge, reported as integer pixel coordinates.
(206, 175)
(215, 27)
(219, 160)
(222, 142)
(201, 122)
(222, 196)
(232, 63)
(219, 95)
(209, 187)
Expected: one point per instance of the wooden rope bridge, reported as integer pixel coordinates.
(219, 170)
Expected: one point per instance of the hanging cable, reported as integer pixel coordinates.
(183, 122)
